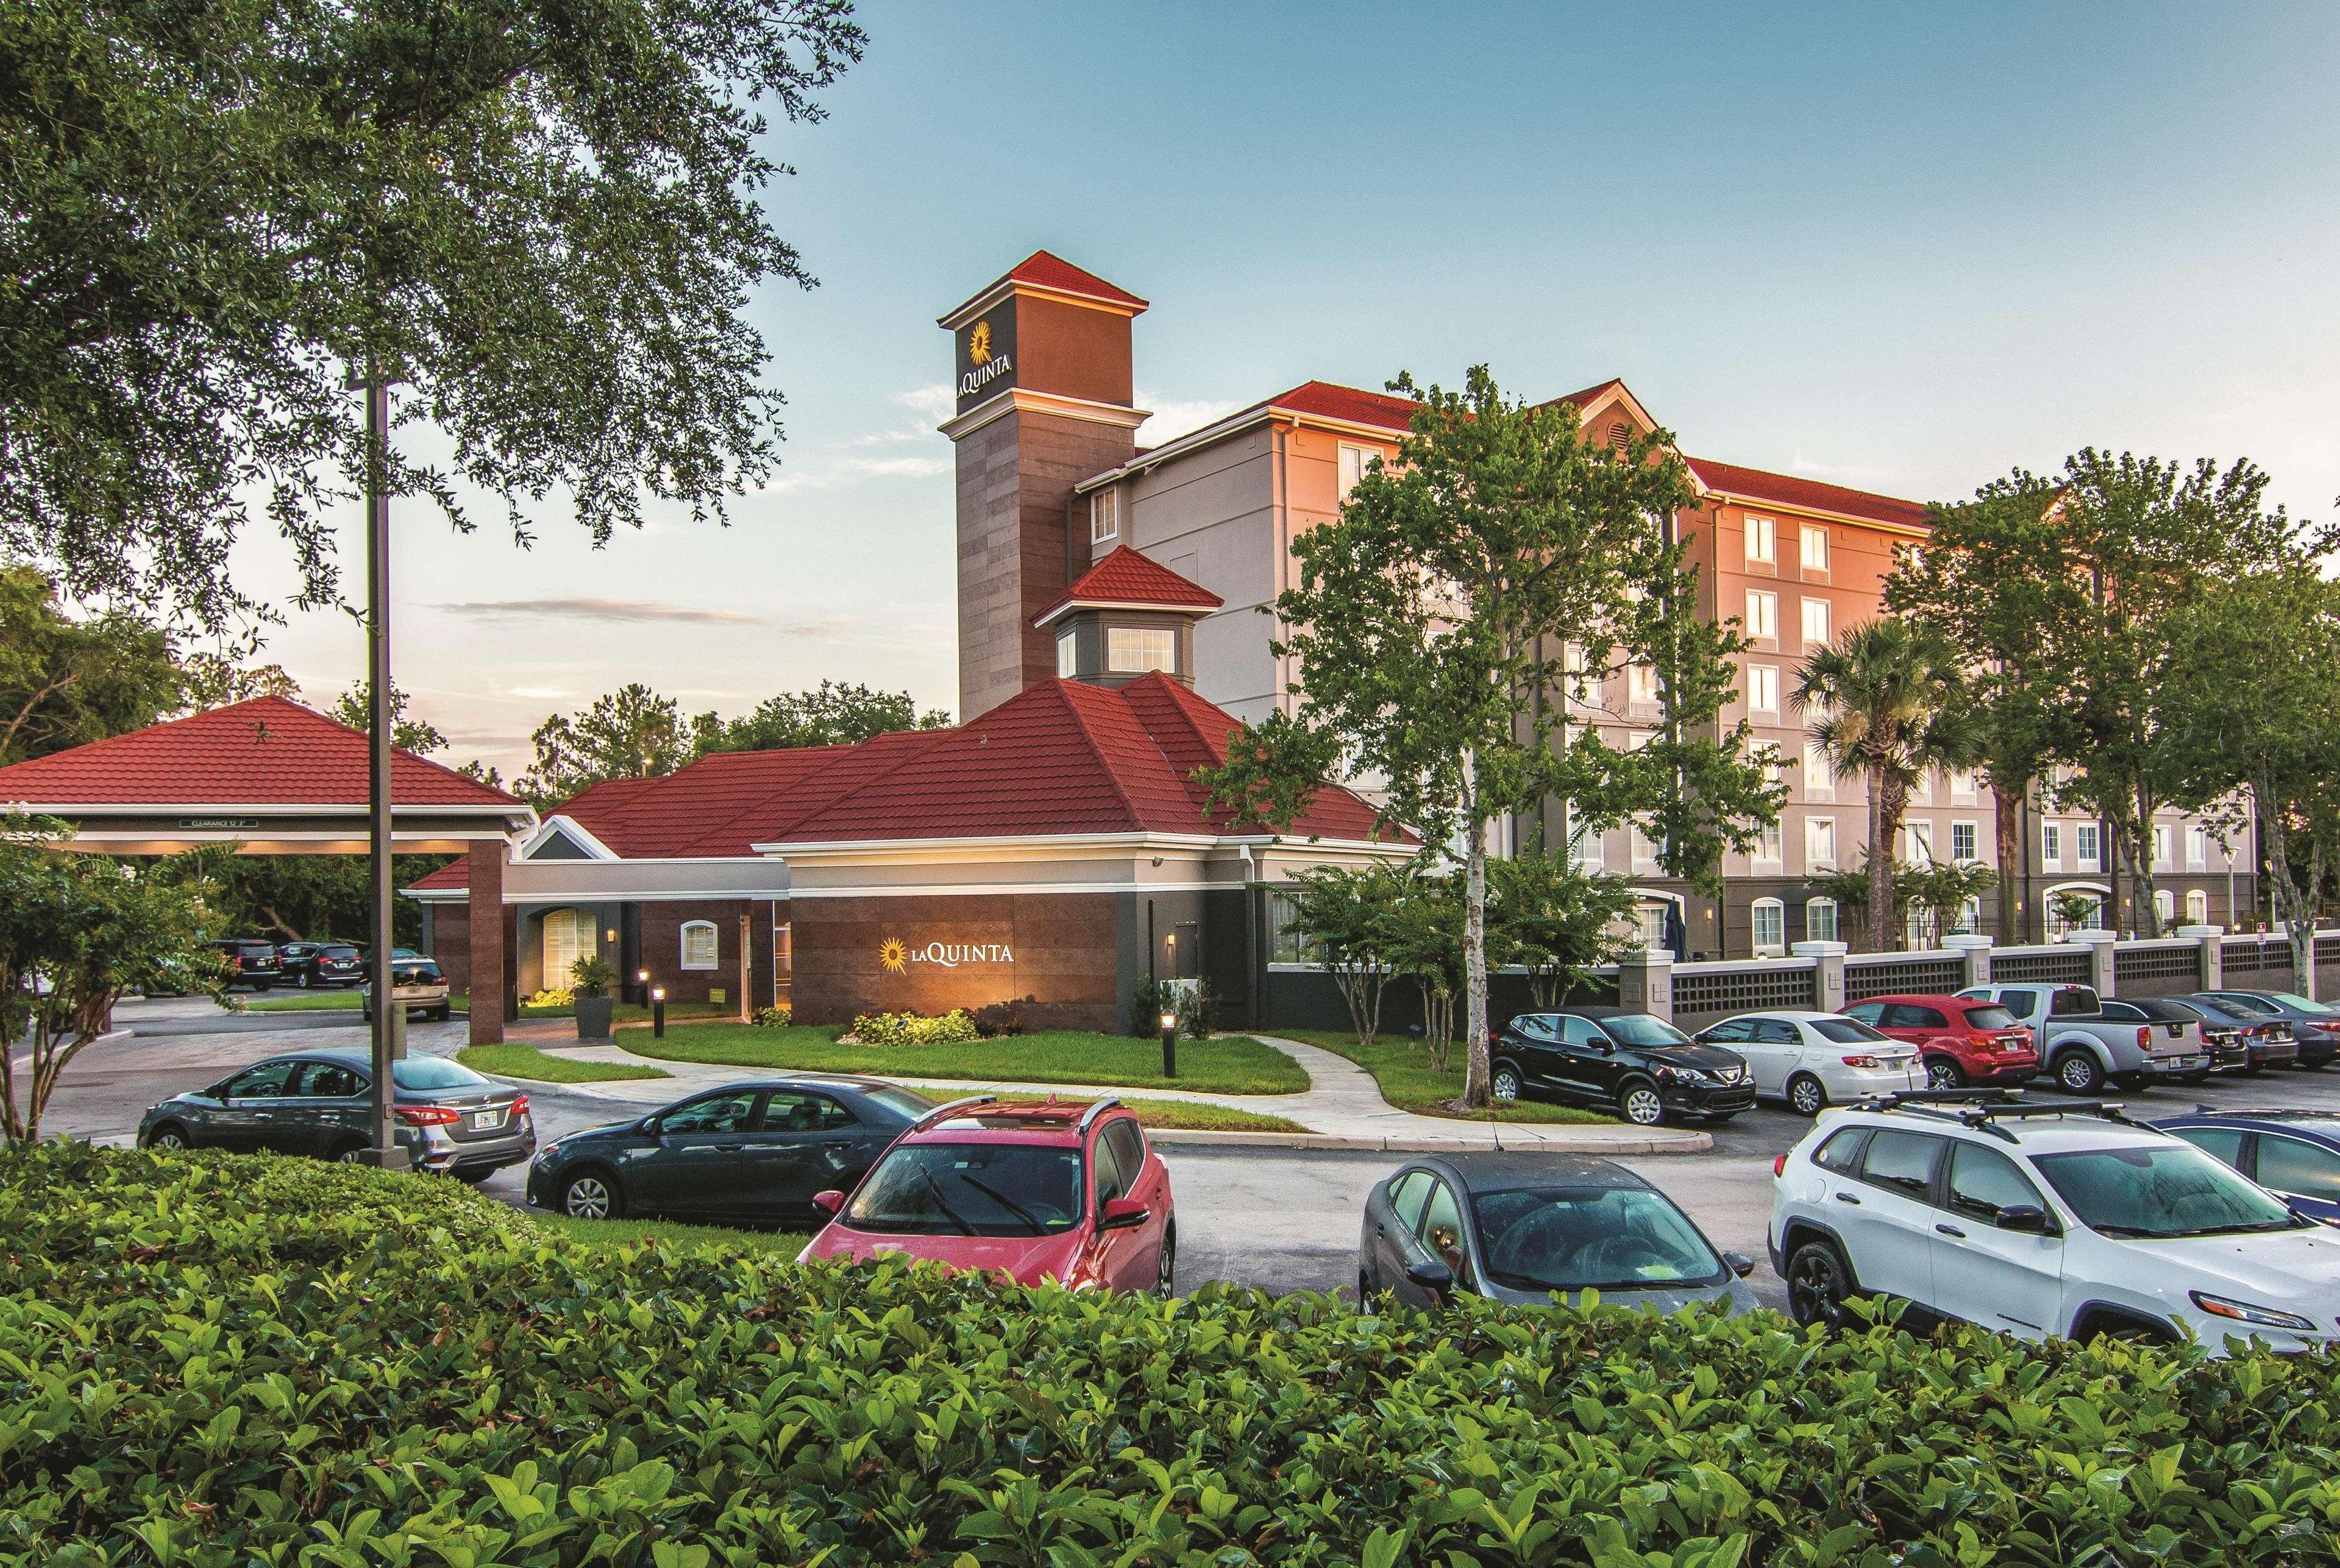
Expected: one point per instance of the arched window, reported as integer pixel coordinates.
(568, 936)
(2165, 906)
(2198, 908)
(698, 949)
(1820, 920)
(1771, 928)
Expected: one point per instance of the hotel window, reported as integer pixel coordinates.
(1820, 920)
(1819, 843)
(1965, 838)
(1762, 615)
(569, 935)
(1288, 943)
(2051, 845)
(2165, 905)
(1816, 623)
(1067, 659)
(1921, 787)
(1917, 843)
(1578, 682)
(1132, 650)
(1645, 850)
(2198, 908)
(1969, 916)
(1356, 462)
(2161, 841)
(1642, 684)
(698, 949)
(1814, 546)
(2197, 849)
(2086, 845)
(1762, 535)
(1766, 847)
(1962, 783)
(1820, 774)
(1771, 928)
(1104, 515)
(1586, 852)
(1763, 688)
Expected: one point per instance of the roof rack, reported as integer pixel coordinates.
(1094, 1112)
(1982, 1108)
(955, 1105)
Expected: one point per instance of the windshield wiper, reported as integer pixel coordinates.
(948, 1212)
(1001, 1198)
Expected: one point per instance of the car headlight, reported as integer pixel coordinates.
(2244, 1312)
(1684, 1074)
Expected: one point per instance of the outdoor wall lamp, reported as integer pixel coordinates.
(1169, 1044)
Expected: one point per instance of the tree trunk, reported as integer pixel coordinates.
(1476, 1093)
(2006, 812)
(2147, 922)
(1880, 865)
(2294, 905)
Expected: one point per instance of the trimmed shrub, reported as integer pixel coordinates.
(775, 1017)
(953, 1027)
(554, 996)
(1000, 1019)
(210, 1361)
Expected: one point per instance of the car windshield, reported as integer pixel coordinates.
(2299, 1003)
(1637, 1029)
(1590, 1237)
(1990, 1016)
(2252, 1007)
(913, 1106)
(1849, 1031)
(971, 1189)
(425, 1073)
(2159, 1191)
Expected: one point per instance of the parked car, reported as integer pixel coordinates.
(2037, 1220)
(1814, 1060)
(2315, 1026)
(1519, 1226)
(2084, 1050)
(315, 963)
(2293, 1154)
(247, 961)
(2264, 1039)
(1642, 1067)
(1964, 1041)
(2166, 1012)
(748, 1153)
(451, 1119)
(420, 979)
(1033, 1190)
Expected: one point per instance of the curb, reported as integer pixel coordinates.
(1688, 1143)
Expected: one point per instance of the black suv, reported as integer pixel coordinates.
(1642, 1067)
(247, 961)
(313, 964)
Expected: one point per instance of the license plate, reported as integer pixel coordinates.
(483, 1119)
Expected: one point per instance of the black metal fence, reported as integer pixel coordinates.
(2156, 969)
(1902, 974)
(1704, 996)
(2035, 966)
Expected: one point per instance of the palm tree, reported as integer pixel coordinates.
(1887, 696)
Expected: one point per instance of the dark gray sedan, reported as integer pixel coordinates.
(315, 1102)
(1519, 1226)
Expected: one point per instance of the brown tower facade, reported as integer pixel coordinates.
(1040, 363)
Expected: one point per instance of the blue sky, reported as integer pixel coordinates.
(1899, 248)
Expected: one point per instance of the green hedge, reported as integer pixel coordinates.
(214, 1362)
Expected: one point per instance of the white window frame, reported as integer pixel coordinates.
(1815, 857)
(1817, 929)
(2087, 847)
(1068, 655)
(1762, 615)
(1811, 559)
(1644, 849)
(2164, 847)
(1820, 774)
(2051, 845)
(2197, 849)
(1642, 685)
(714, 937)
(1777, 945)
(1762, 540)
(1918, 835)
(2197, 907)
(1827, 619)
(1104, 515)
(1768, 848)
(1972, 832)
(2165, 905)
(1962, 784)
(1763, 688)
(1354, 465)
(583, 941)
(1116, 661)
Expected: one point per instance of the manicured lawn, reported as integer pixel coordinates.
(681, 1237)
(543, 1067)
(1402, 1067)
(1238, 1065)
(1187, 1116)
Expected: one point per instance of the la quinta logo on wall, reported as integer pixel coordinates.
(986, 355)
(986, 363)
(896, 956)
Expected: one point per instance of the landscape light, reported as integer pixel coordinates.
(1169, 1044)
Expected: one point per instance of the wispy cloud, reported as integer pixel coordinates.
(934, 403)
(585, 610)
(1835, 473)
(1175, 417)
(819, 475)
(540, 693)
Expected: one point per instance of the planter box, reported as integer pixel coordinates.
(593, 1014)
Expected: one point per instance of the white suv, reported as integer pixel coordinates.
(2056, 1217)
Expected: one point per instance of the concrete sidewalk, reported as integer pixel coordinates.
(1343, 1106)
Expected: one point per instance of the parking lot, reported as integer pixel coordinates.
(1275, 1219)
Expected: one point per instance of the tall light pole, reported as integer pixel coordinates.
(384, 1149)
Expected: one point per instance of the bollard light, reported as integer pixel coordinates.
(1169, 1044)
(657, 1012)
(642, 984)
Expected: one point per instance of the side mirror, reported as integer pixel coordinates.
(828, 1201)
(649, 1125)
(1739, 1263)
(1123, 1214)
(1433, 1276)
(2028, 1217)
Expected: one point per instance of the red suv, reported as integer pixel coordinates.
(1033, 1189)
(1963, 1041)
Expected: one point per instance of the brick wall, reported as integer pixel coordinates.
(1064, 950)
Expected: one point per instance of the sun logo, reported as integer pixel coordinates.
(978, 344)
(892, 956)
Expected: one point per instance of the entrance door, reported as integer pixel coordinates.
(569, 935)
(784, 962)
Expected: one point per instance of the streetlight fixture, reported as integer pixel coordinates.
(1169, 1044)
(383, 1149)
(657, 1012)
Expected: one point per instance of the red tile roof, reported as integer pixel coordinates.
(1787, 490)
(1046, 269)
(1590, 392)
(1125, 577)
(269, 751)
(1352, 404)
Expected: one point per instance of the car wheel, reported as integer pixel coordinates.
(260, 987)
(591, 1195)
(353, 1155)
(1365, 1290)
(442, 1013)
(167, 1137)
(2078, 1071)
(1166, 1280)
(301, 980)
(1505, 1085)
(1805, 1095)
(1941, 1072)
(1818, 1284)
(1640, 1102)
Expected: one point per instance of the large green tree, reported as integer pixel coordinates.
(630, 733)
(834, 713)
(1886, 693)
(1504, 557)
(544, 220)
(66, 681)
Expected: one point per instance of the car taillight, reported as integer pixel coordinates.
(1860, 1061)
(1779, 1166)
(428, 1115)
(520, 1105)
(2144, 1039)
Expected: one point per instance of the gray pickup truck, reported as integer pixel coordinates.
(2082, 1050)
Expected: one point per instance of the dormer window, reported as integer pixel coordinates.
(1104, 515)
(1068, 662)
(1133, 650)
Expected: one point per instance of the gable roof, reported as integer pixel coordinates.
(1808, 494)
(265, 752)
(1129, 580)
(1047, 271)
(1352, 405)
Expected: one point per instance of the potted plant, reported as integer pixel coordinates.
(591, 977)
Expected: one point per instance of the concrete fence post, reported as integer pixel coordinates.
(2100, 944)
(2212, 962)
(1645, 983)
(1827, 973)
(1975, 948)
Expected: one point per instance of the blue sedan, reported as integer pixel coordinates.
(2294, 1154)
